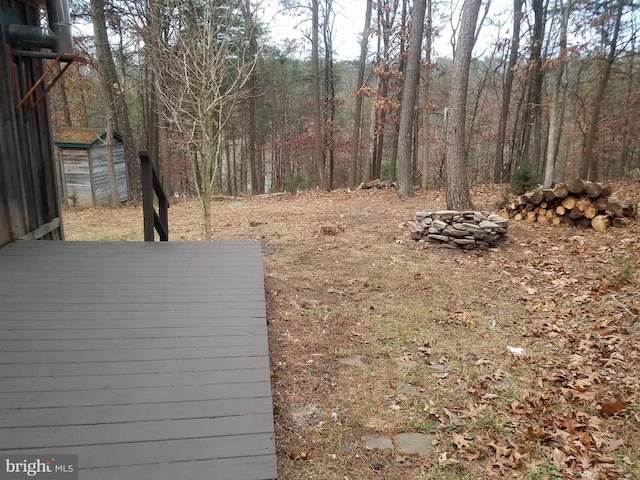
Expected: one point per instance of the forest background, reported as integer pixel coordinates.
(225, 109)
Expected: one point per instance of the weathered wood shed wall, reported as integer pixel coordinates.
(82, 167)
(29, 204)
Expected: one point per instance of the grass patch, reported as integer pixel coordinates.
(542, 472)
(421, 426)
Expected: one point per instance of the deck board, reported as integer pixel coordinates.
(147, 360)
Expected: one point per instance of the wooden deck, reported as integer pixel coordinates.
(147, 360)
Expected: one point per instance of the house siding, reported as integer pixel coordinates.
(28, 195)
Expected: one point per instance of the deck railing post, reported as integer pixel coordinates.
(151, 184)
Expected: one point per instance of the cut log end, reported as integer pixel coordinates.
(579, 203)
(601, 223)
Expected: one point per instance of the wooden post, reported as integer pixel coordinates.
(150, 184)
(146, 174)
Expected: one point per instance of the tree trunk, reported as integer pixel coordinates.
(407, 110)
(506, 92)
(115, 194)
(357, 121)
(624, 164)
(318, 147)
(251, 86)
(426, 116)
(102, 52)
(329, 91)
(402, 71)
(367, 175)
(65, 100)
(122, 123)
(456, 183)
(380, 128)
(555, 107)
(386, 17)
(158, 141)
(588, 168)
(531, 139)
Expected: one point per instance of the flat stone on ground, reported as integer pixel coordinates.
(355, 361)
(406, 388)
(440, 367)
(379, 443)
(414, 443)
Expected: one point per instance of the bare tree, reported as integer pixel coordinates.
(407, 109)
(158, 132)
(206, 68)
(103, 54)
(426, 121)
(531, 140)
(506, 91)
(121, 110)
(556, 100)
(318, 139)
(329, 110)
(357, 120)
(588, 166)
(382, 103)
(456, 182)
(257, 180)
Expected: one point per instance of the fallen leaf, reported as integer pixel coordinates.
(445, 460)
(559, 459)
(586, 396)
(585, 460)
(614, 445)
(535, 432)
(610, 409)
(500, 450)
(452, 417)
(470, 456)
(460, 441)
(582, 385)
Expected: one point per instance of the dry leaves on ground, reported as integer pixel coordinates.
(384, 336)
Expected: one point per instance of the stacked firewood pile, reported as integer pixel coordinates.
(579, 202)
(454, 229)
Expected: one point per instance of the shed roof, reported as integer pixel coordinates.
(69, 137)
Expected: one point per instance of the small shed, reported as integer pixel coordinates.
(82, 167)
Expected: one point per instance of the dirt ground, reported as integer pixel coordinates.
(373, 335)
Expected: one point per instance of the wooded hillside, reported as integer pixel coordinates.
(553, 96)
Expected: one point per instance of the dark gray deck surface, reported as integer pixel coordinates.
(147, 360)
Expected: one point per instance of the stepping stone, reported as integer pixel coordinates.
(379, 443)
(355, 361)
(414, 443)
(406, 388)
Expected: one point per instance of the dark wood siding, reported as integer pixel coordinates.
(27, 161)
